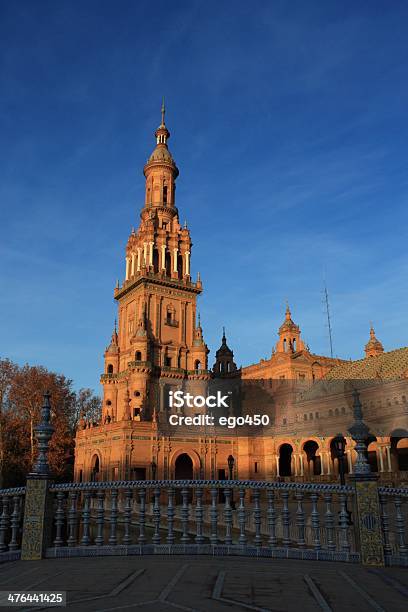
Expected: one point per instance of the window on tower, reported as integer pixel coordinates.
(165, 195)
(110, 369)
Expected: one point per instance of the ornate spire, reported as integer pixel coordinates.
(163, 112)
(373, 346)
(161, 156)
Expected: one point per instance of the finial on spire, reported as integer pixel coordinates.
(115, 327)
(288, 313)
(163, 112)
(223, 333)
(199, 319)
(185, 224)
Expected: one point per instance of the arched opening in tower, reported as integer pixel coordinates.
(285, 460)
(183, 469)
(156, 260)
(95, 468)
(312, 459)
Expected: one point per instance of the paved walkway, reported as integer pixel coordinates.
(162, 584)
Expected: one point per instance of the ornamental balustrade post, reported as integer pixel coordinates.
(38, 501)
(368, 519)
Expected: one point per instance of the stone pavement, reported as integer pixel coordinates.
(159, 584)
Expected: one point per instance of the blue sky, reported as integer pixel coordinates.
(289, 126)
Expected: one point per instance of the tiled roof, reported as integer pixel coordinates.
(393, 364)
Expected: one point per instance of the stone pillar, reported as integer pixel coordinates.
(381, 458)
(301, 464)
(349, 461)
(175, 251)
(368, 519)
(388, 454)
(151, 253)
(187, 264)
(38, 520)
(138, 258)
(145, 253)
(321, 455)
(328, 463)
(163, 257)
(127, 269)
(277, 465)
(133, 265)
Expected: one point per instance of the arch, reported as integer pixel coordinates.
(183, 467)
(399, 450)
(335, 460)
(95, 467)
(109, 368)
(168, 263)
(285, 345)
(372, 448)
(197, 364)
(156, 260)
(180, 265)
(138, 356)
(285, 459)
(313, 462)
(194, 456)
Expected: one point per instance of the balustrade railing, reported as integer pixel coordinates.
(204, 517)
(11, 521)
(394, 522)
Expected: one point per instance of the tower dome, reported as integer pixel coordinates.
(373, 347)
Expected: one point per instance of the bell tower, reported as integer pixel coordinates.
(157, 340)
(289, 335)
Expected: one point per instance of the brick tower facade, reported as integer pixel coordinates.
(158, 342)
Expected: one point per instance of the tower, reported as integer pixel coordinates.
(224, 359)
(157, 341)
(289, 335)
(373, 346)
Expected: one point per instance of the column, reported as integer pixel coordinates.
(133, 265)
(349, 461)
(388, 453)
(328, 464)
(277, 465)
(127, 269)
(151, 253)
(138, 258)
(175, 251)
(163, 257)
(381, 457)
(321, 455)
(301, 463)
(144, 253)
(187, 265)
(294, 466)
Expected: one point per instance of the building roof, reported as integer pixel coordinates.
(391, 365)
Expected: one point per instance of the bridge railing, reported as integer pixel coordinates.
(11, 522)
(204, 517)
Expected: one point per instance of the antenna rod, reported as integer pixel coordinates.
(326, 300)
